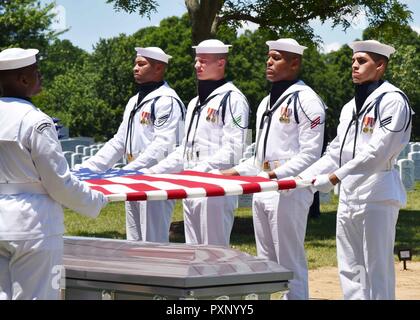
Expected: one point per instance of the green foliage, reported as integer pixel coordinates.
(336, 86)
(26, 24)
(112, 62)
(280, 17)
(144, 7)
(107, 80)
(174, 37)
(75, 99)
(59, 57)
(247, 63)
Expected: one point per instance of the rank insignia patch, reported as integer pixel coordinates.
(45, 125)
(386, 121)
(315, 122)
(161, 121)
(237, 121)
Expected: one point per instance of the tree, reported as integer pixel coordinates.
(286, 16)
(76, 99)
(90, 94)
(26, 24)
(59, 57)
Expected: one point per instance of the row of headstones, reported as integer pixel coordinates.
(409, 165)
(78, 150)
(248, 153)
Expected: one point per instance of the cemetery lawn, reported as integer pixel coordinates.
(320, 234)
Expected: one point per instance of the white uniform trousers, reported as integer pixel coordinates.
(30, 269)
(209, 220)
(365, 249)
(149, 220)
(280, 225)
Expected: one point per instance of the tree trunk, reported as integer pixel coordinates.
(203, 17)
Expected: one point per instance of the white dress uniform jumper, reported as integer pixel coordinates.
(216, 132)
(150, 130)
(362, 156)
(289, 139)
(34, 182)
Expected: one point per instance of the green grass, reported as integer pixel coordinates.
(320, 234)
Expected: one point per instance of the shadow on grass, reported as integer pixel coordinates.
(408, 231)
(242, 231)
(322, 228)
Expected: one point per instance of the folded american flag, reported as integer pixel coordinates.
(130, 185)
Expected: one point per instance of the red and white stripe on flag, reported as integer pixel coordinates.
(186, 184)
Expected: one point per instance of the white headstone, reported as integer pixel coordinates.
(415, 156)
(71, 143)
(248, 139)
(337, 189)
(325, 197)
(84, 158)
(67, 155)
(86, 151)
(414, 147)
(247, 155)
(250, 148)
(404, 152)
(93, 151)
(79, 148)
(406, 170)
(245, 201)
(76, 158)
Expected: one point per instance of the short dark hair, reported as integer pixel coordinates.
(378, 57)
(222, 56)
(4, 77)
(8, 76)
(289, 56)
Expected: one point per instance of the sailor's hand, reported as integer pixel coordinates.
(322, 183)
(264, 174)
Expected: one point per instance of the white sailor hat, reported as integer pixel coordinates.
(372, 46)
(212, 46)
(286, 44)
(16, 58)
(154, 53)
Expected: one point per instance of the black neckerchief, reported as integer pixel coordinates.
(145, 88)
(278, 88)
(205, 87)
(363, 91)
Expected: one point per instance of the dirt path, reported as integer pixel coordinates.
(324, 283)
